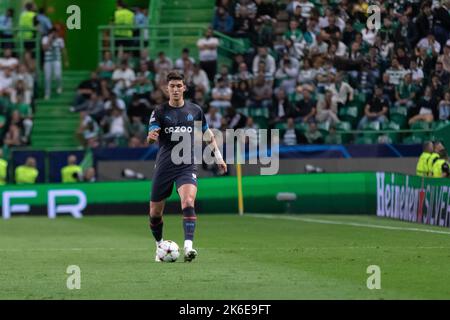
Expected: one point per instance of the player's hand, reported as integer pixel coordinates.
(153, 136)
(222, 166)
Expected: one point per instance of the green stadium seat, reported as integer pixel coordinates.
(349, 114)
(261, 122)
(421, 125)
(324, 128)
(392, 126)
(436, 125)
(343, 127)
(365, 140)
(399, 116)
(303, 127)
(258, 112)
(281, 126)
(412, 139)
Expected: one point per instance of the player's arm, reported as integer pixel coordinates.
(211, 140)
(153, 128)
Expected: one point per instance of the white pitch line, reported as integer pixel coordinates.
(354, 224)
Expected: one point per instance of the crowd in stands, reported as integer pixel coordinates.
(311, 69)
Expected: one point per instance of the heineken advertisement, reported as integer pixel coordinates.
(413, 198)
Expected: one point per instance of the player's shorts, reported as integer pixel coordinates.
(162, 183)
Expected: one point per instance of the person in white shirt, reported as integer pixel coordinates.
(207, 51)
(221, 95)
(430, 44)
(8, 61)
(342, 92)
(416, 72)
(123, 78)
(53, 47)
(264, 56)
(213, 118)
(179, 63)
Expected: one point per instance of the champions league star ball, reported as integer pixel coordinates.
(168, 251)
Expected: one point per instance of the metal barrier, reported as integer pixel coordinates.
(166, 34)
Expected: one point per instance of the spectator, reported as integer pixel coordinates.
(427, 106)
(314, 136)
(416, 73)
(163, 63)
(405, 92)
(54, 48)
(280, 108)
(141, 23)
(444, 58)
(375, 110)
(396, 72)
(327, 109)
(305, 109)
(123, 79)
(213, 118)
(441, 22)
(263, 56)
(94, 107)
(44, 23)
(88, 131)
(221, 94)
(207, 47)
(223, 21)
(27, 173)
(291, 135)
(123, 17)
(261, 94)
(179, 63)
(6, 26)
(200, 79)
(107, 66)
(241, 95)
(341, 90)
(86, 88)
(444, 107)
(8, 61)
(333, 137)
(243, 75)
(430, 45)
(287, 73)
(224, 74)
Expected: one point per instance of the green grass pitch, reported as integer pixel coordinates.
(249, 257)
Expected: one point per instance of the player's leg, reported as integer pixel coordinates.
(187, 194)
(156, 219)
(162, 185)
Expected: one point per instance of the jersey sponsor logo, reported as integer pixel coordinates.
(178, 129)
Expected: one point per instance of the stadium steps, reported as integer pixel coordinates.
(180, 13)
(54, 125)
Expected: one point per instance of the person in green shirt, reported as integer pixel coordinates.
(27, 173)
(3, 169)
(72, 172)
(405, 92)
(422, 165)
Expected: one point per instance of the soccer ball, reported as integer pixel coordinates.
(168, 251)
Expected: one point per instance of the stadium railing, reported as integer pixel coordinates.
(18, 45)
(170, 38)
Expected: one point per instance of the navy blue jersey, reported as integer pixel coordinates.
(175, 121)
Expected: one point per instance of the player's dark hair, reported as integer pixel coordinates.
(174, 75)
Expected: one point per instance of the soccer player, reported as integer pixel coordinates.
(168, 119)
